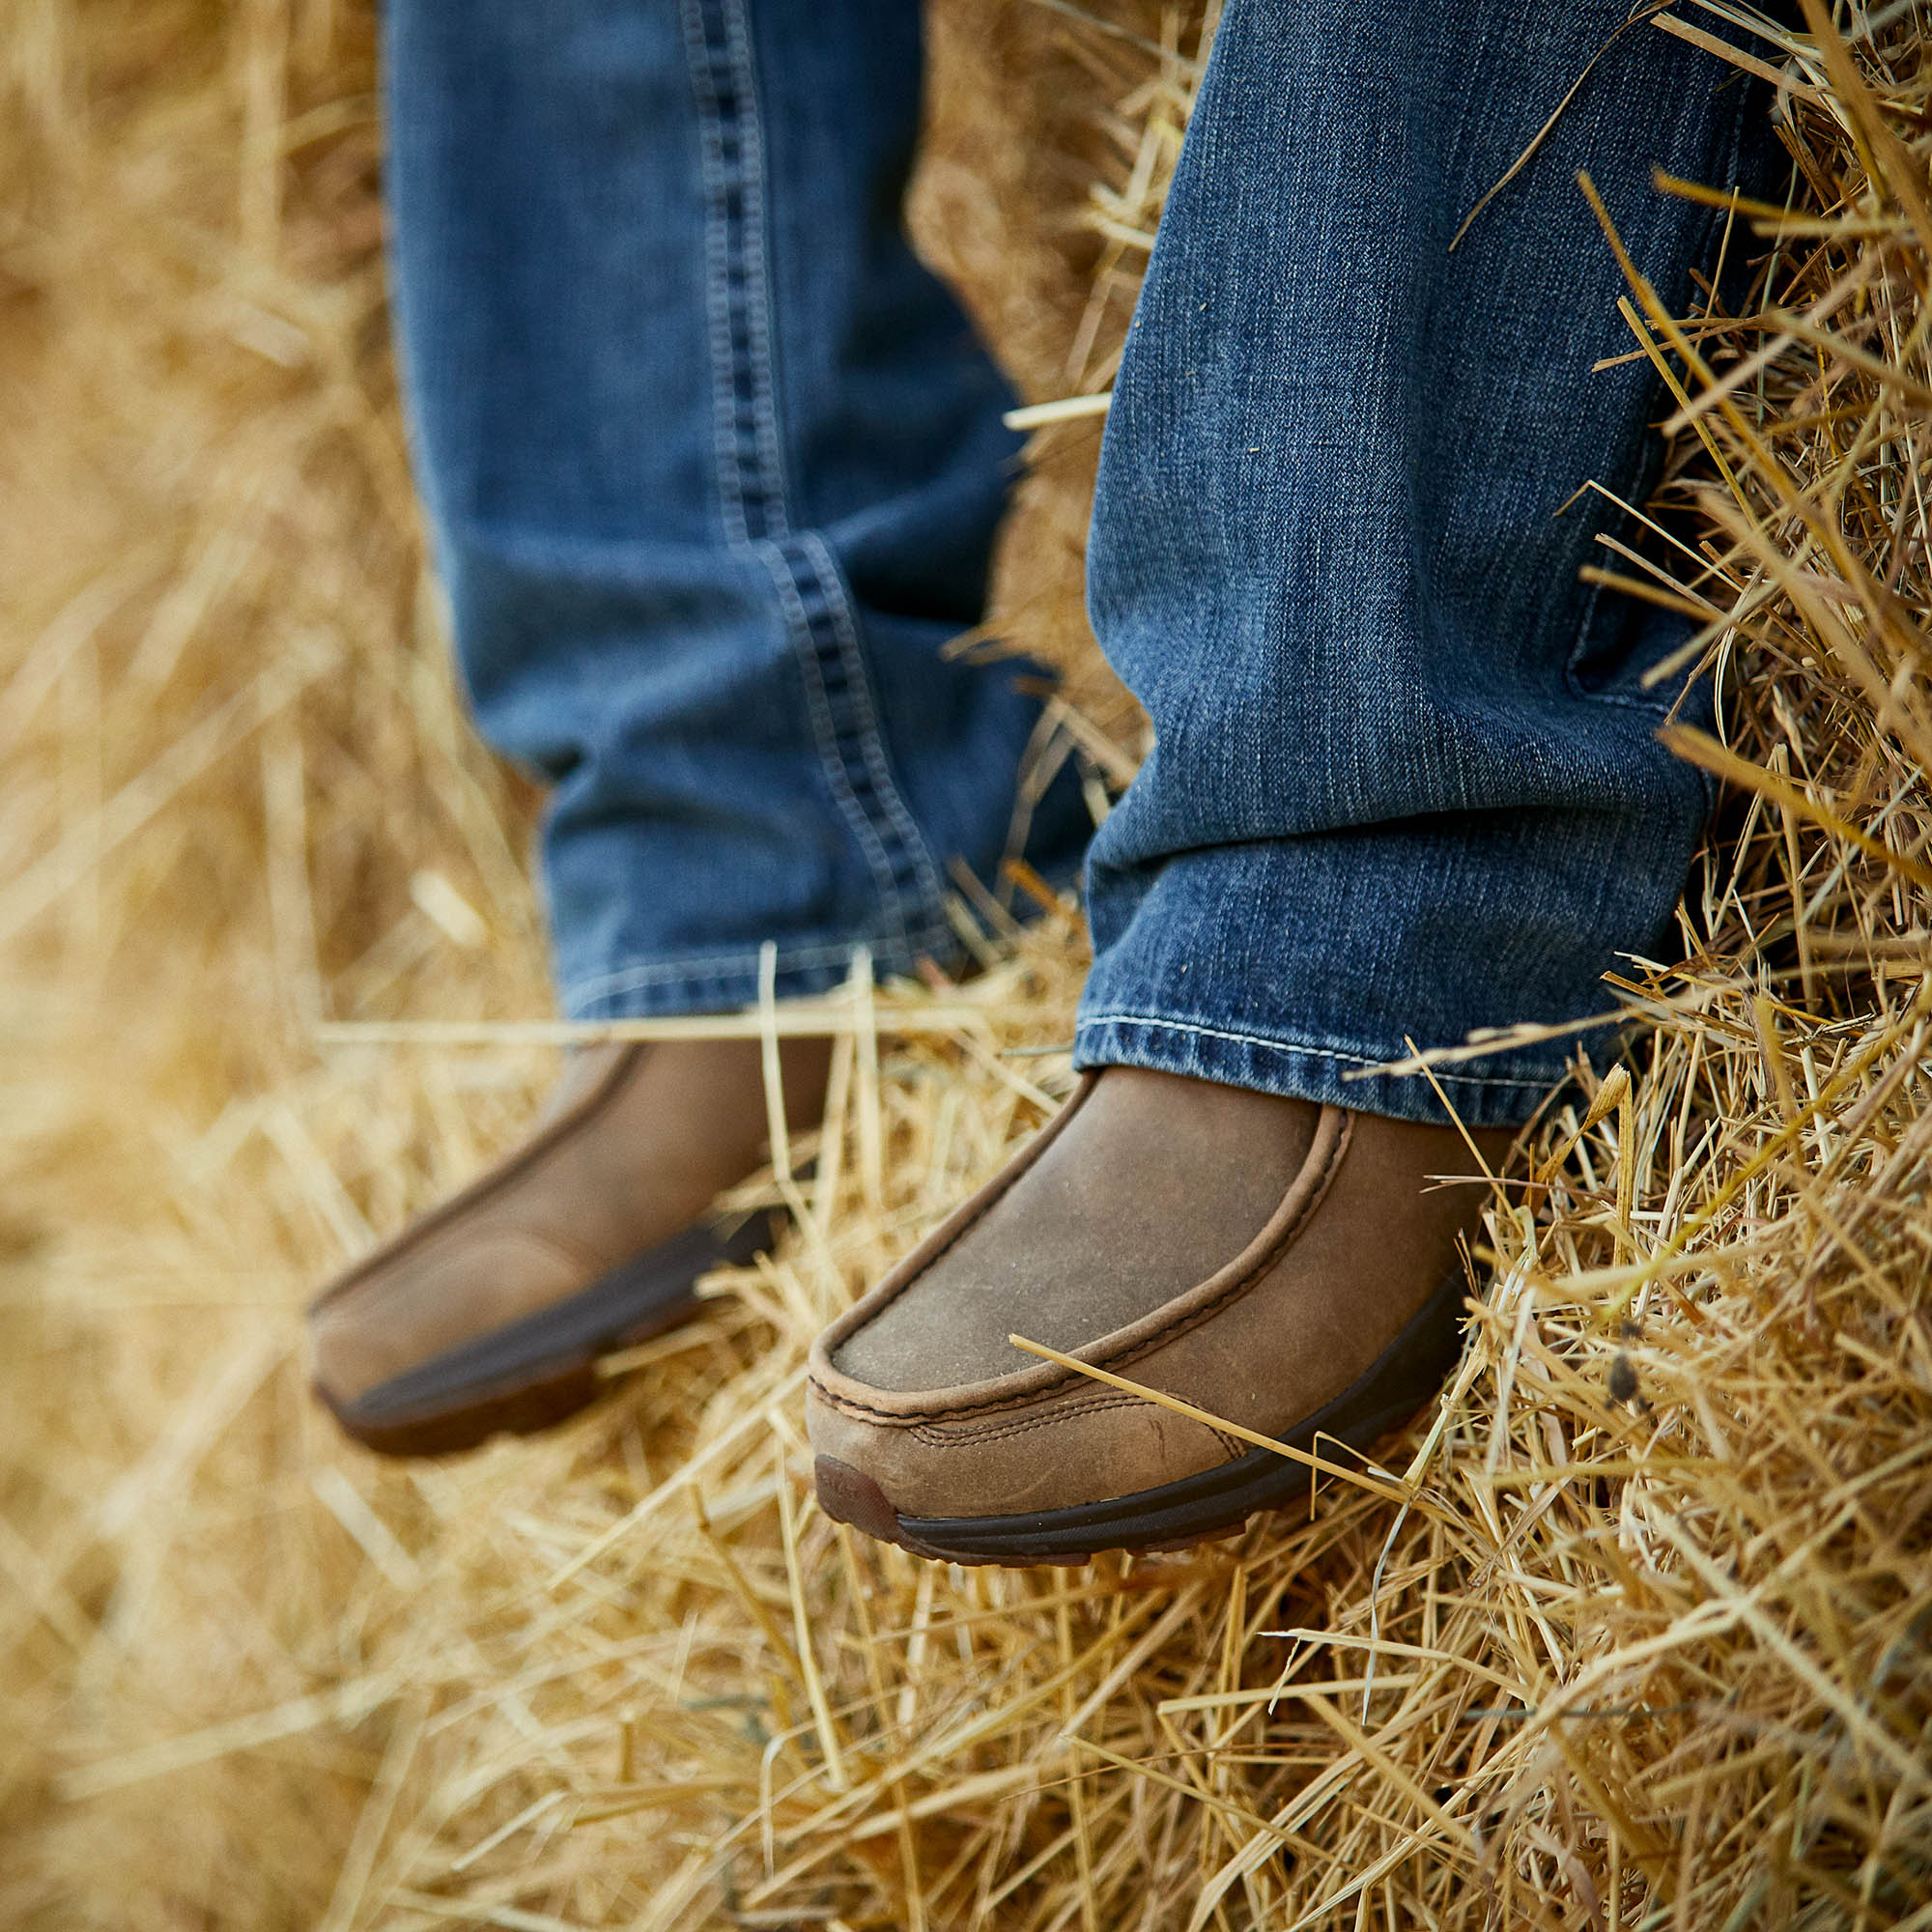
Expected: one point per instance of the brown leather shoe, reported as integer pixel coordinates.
(1284, 1266)
(491, 1310)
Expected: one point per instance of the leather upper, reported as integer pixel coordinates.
(1354, 1241)
(636, 1144)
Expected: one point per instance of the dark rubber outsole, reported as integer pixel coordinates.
(1175, 1516)
(536, 1371)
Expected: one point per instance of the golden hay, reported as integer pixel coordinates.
(1642, 1642)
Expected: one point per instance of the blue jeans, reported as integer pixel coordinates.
(714, 467)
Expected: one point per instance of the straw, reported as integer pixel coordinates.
(1637, 1637)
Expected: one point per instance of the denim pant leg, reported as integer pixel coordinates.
(714, 467)
(1405, 782)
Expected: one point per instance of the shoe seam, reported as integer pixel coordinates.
(989, 1196)
(1263, 1266)
(936, 1433)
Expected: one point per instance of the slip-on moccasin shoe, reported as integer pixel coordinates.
(491, 1312)
(1294, 1269)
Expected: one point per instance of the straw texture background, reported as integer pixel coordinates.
(1632, 1630)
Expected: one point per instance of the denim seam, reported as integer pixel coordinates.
(1276, 1045)
(789, 959)
(832, 757)
(865, 711)
(758, 268)
(717, 273)
(815, 602)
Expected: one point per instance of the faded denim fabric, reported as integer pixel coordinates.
(1405, 782)
(714, 468)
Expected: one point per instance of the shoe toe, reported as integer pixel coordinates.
(998, 1450)
(430, 1302)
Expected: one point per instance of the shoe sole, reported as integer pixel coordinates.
(1174, 1516)
(534, 1372)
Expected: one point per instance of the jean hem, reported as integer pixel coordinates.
(728, 982)
(1504, 1095)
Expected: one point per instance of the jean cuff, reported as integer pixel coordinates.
(728, 980)
(1499, 1091)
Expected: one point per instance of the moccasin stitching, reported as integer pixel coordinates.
(940, 1436)
(1186, 1325)
(859, 1316)
(1262, 1266)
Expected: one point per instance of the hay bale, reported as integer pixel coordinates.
(1644, 1644)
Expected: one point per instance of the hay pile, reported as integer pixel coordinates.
(1632, 1632)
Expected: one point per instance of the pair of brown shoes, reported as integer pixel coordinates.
(1287, 1268)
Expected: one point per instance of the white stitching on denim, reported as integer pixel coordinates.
(825, 733)
(789, 959)
(717, 274)
(863, 705)
(1291, 1046)
(770, 477)
(764, 404)
(716, 965)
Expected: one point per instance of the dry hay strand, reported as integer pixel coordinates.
(1630, 1629)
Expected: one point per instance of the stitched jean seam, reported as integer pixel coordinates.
(716, 175)
(865, 710)
(834, 759)
(758, 307)
(814, 599)
(1278, 1045)
(790, 960)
